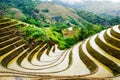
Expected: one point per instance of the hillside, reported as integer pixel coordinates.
(101, 7)
(58, 19)
(105, 7)
(97, 12)
(107, 20)
(47, 40)
(53, 11)
(42, 14)
(56, 13)
(97, 57)
(10, 10)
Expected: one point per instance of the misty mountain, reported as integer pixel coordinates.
(99, 7)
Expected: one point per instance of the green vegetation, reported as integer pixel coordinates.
(54, 35)
(33, 21)
(73, 21)
(32, 32)
(27, 7)
(53, 25)
(45, 10)
(88, 56)
(51, 36)
(89, 30)
(58, 18)
(91, 17)
(107, 20)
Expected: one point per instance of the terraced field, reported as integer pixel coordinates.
(97, 57)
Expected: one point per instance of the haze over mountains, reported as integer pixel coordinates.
(110, 7)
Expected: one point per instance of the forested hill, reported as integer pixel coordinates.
(17, 7)
(106, 20)
(65, 23)
(40, 14)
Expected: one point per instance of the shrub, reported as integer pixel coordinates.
(33, 32)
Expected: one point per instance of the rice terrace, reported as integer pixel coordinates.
(96, 57)
(59, 40)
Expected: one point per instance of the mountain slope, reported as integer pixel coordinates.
(56, 10)
(94, 58)
(99, 7)
(107, 20)
(59, 13)
(55, 18)
(42, 14)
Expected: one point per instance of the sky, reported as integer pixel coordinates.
(82, 1)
